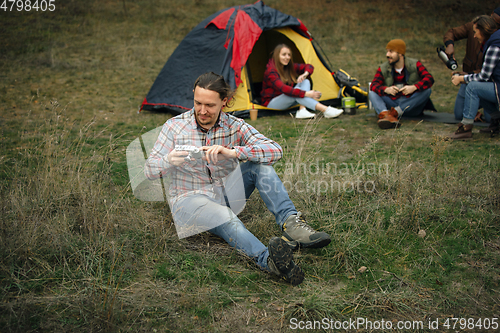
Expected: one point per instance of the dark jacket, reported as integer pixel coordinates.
(411, 72)
(473, 55)
(473, 59)
(495, 76)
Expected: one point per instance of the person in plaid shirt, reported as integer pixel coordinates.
(402, 83)
(229, 159)
(472, 62)
(482, 87)
(283, 87)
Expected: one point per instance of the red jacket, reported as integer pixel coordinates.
(272, 85)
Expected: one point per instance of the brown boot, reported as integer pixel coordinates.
(388, 119)
(493, 129)
(463, 132)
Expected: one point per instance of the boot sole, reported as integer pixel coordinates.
(489, 131)
(282, 256)
(319, 243)
(385, 124)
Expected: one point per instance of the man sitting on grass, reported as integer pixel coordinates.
(200, 193)
(401, 84)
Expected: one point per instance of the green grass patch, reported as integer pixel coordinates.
(80, 253)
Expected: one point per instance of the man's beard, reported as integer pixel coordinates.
(392, 62)
(208, 120)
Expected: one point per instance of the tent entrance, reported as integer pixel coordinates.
(261, 53)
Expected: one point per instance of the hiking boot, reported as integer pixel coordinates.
(296, 232)
(304, 114)
(388, 119)
(332, 112)
(463, 132)
(280, 262)
(493, 128)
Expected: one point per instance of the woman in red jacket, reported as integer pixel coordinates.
(285, 84)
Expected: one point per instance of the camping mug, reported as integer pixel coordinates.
(254, 114)
(349, 105)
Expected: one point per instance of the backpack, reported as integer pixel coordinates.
(350, 87)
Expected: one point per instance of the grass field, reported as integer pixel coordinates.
(81, 254)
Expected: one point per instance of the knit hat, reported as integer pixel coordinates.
(397, 45)
(497, 11)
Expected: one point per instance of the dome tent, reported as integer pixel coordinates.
(236, 42)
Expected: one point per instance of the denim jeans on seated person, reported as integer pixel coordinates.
(202, 210)
(283, 102)
(412, 106)
(458, 110)
(475, 93)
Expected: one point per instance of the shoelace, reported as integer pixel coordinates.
(303, 223)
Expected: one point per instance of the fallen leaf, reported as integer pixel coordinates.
(278, 308)
(362, 269)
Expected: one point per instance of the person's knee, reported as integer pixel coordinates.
(233, 227)
(304, 85)
(257, 168)
(461, 91)
(372, 95)
(471, 88)
(427, 93)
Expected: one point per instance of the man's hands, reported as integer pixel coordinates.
(408, 90)
(392, 90)
(405, 90)
(177, 157)
(215, 153)
(212, 154)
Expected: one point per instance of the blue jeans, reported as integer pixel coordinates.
(478, 93)
(202, 210)
(459, 105)
(412, 106)
(283, 102)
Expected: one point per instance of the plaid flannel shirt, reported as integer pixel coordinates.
(198, 176)
(491, 59)
(272, 85)
(378, 83)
